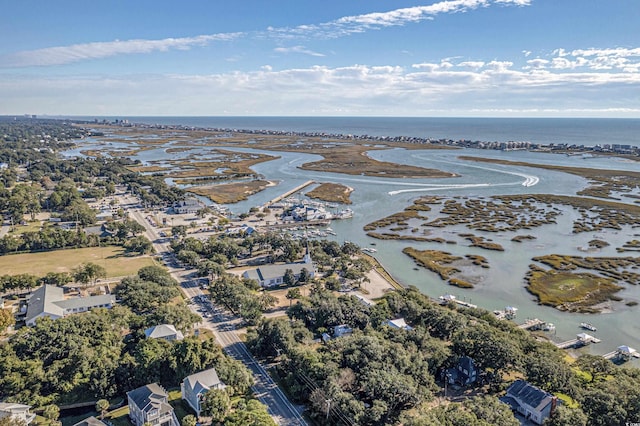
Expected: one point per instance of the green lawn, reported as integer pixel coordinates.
(112, 258)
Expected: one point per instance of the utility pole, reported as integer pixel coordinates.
(328, 408)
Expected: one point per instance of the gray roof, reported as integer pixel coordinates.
(526, 393)
(50, 300)
(270, 272)
(87, 302)
(162, 331)
(203, 381)
(150, 397)
(90, 421)
(42, 300)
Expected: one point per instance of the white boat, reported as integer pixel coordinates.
(588, 326)
(549, 326)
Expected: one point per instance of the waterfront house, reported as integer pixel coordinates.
(195, 386)
(150, 404)
(16, 412)
(164, 331)
(533, 403)
(49, 301)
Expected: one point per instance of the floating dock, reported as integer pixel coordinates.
(291, 192)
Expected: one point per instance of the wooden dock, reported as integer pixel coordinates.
(533, 324)
(581, 339)
(622, 353)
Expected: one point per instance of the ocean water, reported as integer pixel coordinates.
(579, 131)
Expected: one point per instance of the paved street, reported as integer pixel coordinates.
(223, 325)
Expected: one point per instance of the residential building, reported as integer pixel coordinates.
(49, 301)
(273, 275)
(464, 373)
(90, 421)
(150, 404)
(399, 323)
(195, 386)
(163, 331)
(16, 411)
(533, 403)
(342, 330)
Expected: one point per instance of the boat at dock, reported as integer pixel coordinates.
(588, 326)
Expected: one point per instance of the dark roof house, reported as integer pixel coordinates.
(532, 402)
(150, 404)
(464, 373)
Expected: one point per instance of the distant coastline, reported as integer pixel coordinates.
(570, 131)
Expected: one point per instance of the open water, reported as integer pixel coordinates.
(503, 283)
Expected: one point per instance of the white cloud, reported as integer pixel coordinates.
(78, 52)
(537, 63)
(352, 90)
(333, 29)
(475, 65)
(297, 49)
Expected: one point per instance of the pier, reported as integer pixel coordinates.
(533, 324)
(581, 339)
(451, 298)
(291, 192)
(622, 353)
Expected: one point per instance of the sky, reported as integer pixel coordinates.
(453, 58)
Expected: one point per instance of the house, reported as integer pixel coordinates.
(341, 330)
(399, 323)
(150, 404)
(273, 275)
(195, 386)
(163, 331)
(90, 421)
(49, 301)
(533, 403)
(16, 411)
(464, 373)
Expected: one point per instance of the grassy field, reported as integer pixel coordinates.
(112, 258)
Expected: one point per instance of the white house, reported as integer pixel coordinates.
(150, 404)
(533, 403)
(273, 275)
(16, 411)
(49, 301)
(399, 323)
(90, 421)
(194, 387)
(163, 331)
(190, 205)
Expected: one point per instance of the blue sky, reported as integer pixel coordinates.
(567, 58)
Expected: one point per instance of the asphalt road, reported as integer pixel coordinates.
(223, 326)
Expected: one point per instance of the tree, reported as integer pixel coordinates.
(51, 412)
(6, 319)
(595, 365)
(89, 272)
(216, 404)
(293, 293)
(189, 420)
(102, 405)
(566, 416)
(289, 279)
